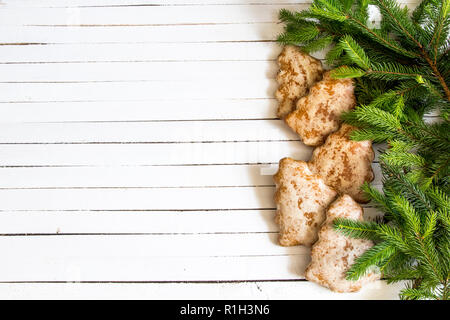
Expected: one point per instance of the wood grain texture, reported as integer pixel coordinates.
(144, 15)
(150, 222)
(145, 110)
(170, 131)
(137, 146)
(243, 175)
(50, 35)
(289, 290)
(140, 52)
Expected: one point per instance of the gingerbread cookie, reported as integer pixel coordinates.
(344, 164)
(298, 72)
(333, 254)
(302, 198)
(318, 113)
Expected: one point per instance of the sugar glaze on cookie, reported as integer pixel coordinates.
(333, 254)
(298, 72)
(302, 198)
(318, 113)
(343, 163)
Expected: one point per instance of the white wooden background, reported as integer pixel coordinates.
(137, 143)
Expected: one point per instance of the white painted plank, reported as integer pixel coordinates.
(186, 109)
(151, 154)
(143, 15)
(213, 51)
(150, 258)
(135, 132)
(141, 34)
(96, 247)
(190, 153)
(138, 199)
(286, 290)
(52, 266)
(151, 110)
(143, 176)
(139, 71)
(92, 3)
(144, 222)
(137, 177)
(139, 222)
(107, 91)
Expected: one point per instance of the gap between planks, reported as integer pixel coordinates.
(139, 42)
(161, 282)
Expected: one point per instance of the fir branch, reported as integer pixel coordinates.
(355, 52)
(334, 54)
(376, 135)
(377, 118)
(318, 43)
(394, 237)
(381, 38)
(393, 71)
(378, 255)
(414, 294)
(356, 229)
(398, 18)
(409, 214)
(400, 22)
(347, 72)
(438, 31)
